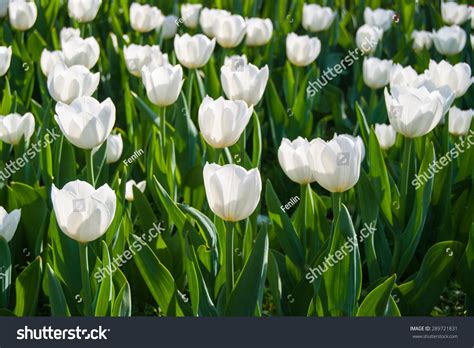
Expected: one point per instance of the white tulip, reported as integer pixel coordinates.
(193, 51)
(50, 59)
(66, 84)
(114, 148)
(22, 14)
(136, 57)
(360, 143)
(222, 121)
(3, 8)
(379, 18)
(449, 40)
(163, 83)
(296, 160)
(5, 59)
(236, 62)
(302, 50)
(229, 30)
(67, 34)
(454, 13)
(376, 72)
(460, 121)
(367, 38)
(386, 135)
(403, 76)
(457, 77)
(317, 18)
(258, 31)
(79, 51)
(9, 223)
(86, 123)
(208, 18)
(14, 127)
(232, 192)
(129, 189)
(82, 212)
(83, 11)
(422, 40)
(145, 18)
(246, 83)
(190, 14)
(169, 27)
(472, 20)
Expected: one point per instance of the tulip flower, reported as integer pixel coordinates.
(376, 72)
(193, 51)
(3, 8)
(379, 18)
(229, 30)
(358, 140)
(66, 84)
(114, 148)
(421, 40)
(457, 77)
(14, 127)
(258, 31)
(367, 38)
(163, 83)
(129, 189)
(208, 18)
(317, 18)
(5, 59)
(246, 83)
(454, 13)
(145, 18)
(222, 121)
(190, 14)
(296, 160)
(136, 57)
(49, 60)
(302, 50)
(9, 223)
(67, 34)
(83, 11)
(459, 121)
(22, 14)
(386, 135)
(169, 27)
(449, 40)
(403, 76)
(79, 51)
(236, 62)
(86, 123)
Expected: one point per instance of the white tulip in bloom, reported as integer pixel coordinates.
(236, 62)
(129, 189)
(50, 59)
(208, 18)
(14, 127)
(163, 83)
(22, 14)
(5, 59)
(367, 38)
(229, 30)
(246, 83)
(190, 14)
(296, 160)
(317, 18)
(460, 121)
(403, 76)
(9, 223)
(337, 162)
(377, 72)
(145, 18)
(86, 123)
(413, 112)
(422, 40)
(3, 8)
(358, 140)
(454, 13)
(302, 50)
(222, 121)
(193, 51)
(379, 18)
(136, 57)
(67, 34)
(449, 40)
(232, 192)
(259, 31)
(83, 10)
(82, 212)
(79, 51)
(66, 84)
(457, 77)
(386, 135)
(169, 27)
(114, 148)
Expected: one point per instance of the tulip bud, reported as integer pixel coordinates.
(376, 72)
(386, 135)
(145, 18)
(232, 192)
(83, 11)
(449, 40)
(129, 189)
(86, 123)
(296, 160)
(114, 147)
(403, 76)
(454, 13)
(14, 127)
(259, 31)
(82, 212)
(208, 18)
(190, 14)
(229, 30)
(379, 18)
(169, 27)
(422, 40)
(236, 62)
(367, 38)
(457, 77)
(22, 14)
(317, 18)
(5, 59)
(302, 50)
(193, 51)
(3, 8)
(136, 57)
(79, 51)
(163, 83)
(460, 121)
(67, 34)
(9, 223)
(49, 60)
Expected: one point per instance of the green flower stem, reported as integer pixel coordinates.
(163, 123)
(229, 257)
(189, 90)
(217, 155)
(90, 167)
(336, 204)
(86, 286)
(407, 150)
(201, 87)
(303, 190)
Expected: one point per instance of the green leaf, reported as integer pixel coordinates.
(465, 273)
(5, 272)
(105, 296)
(56, 296)
(377, 302)
(123, 302)
(176, 215)
(363, 125)
(27, 289)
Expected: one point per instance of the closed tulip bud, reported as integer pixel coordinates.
(386, 135)
(379, 18)
(67, 34)
(460, 121)
(208, 18)
(377, 72)
(9, 223)
(317, 18)
(222, 121)
(193, 51)
(3, 8)
(403, 76)
(66, 84)
(22, 14)
(129, 189)
(457, 77)
(5, 59)
(367, 38)
(163, 83)
(454, 13)
(236, 62)
(79, 51)
(449, 40)
(169, 27)
(358, 140)
(14, 127)
(246, 83)
(296, 160)
(422, 40)
(145, 18)
(136, 57)
(114, 148)
(302, 50)
(82, 212)
(232, 192)
(229, 30)
(190, 14)
(259, 31)
(50, 59)
(86, 123)
(83, 11)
